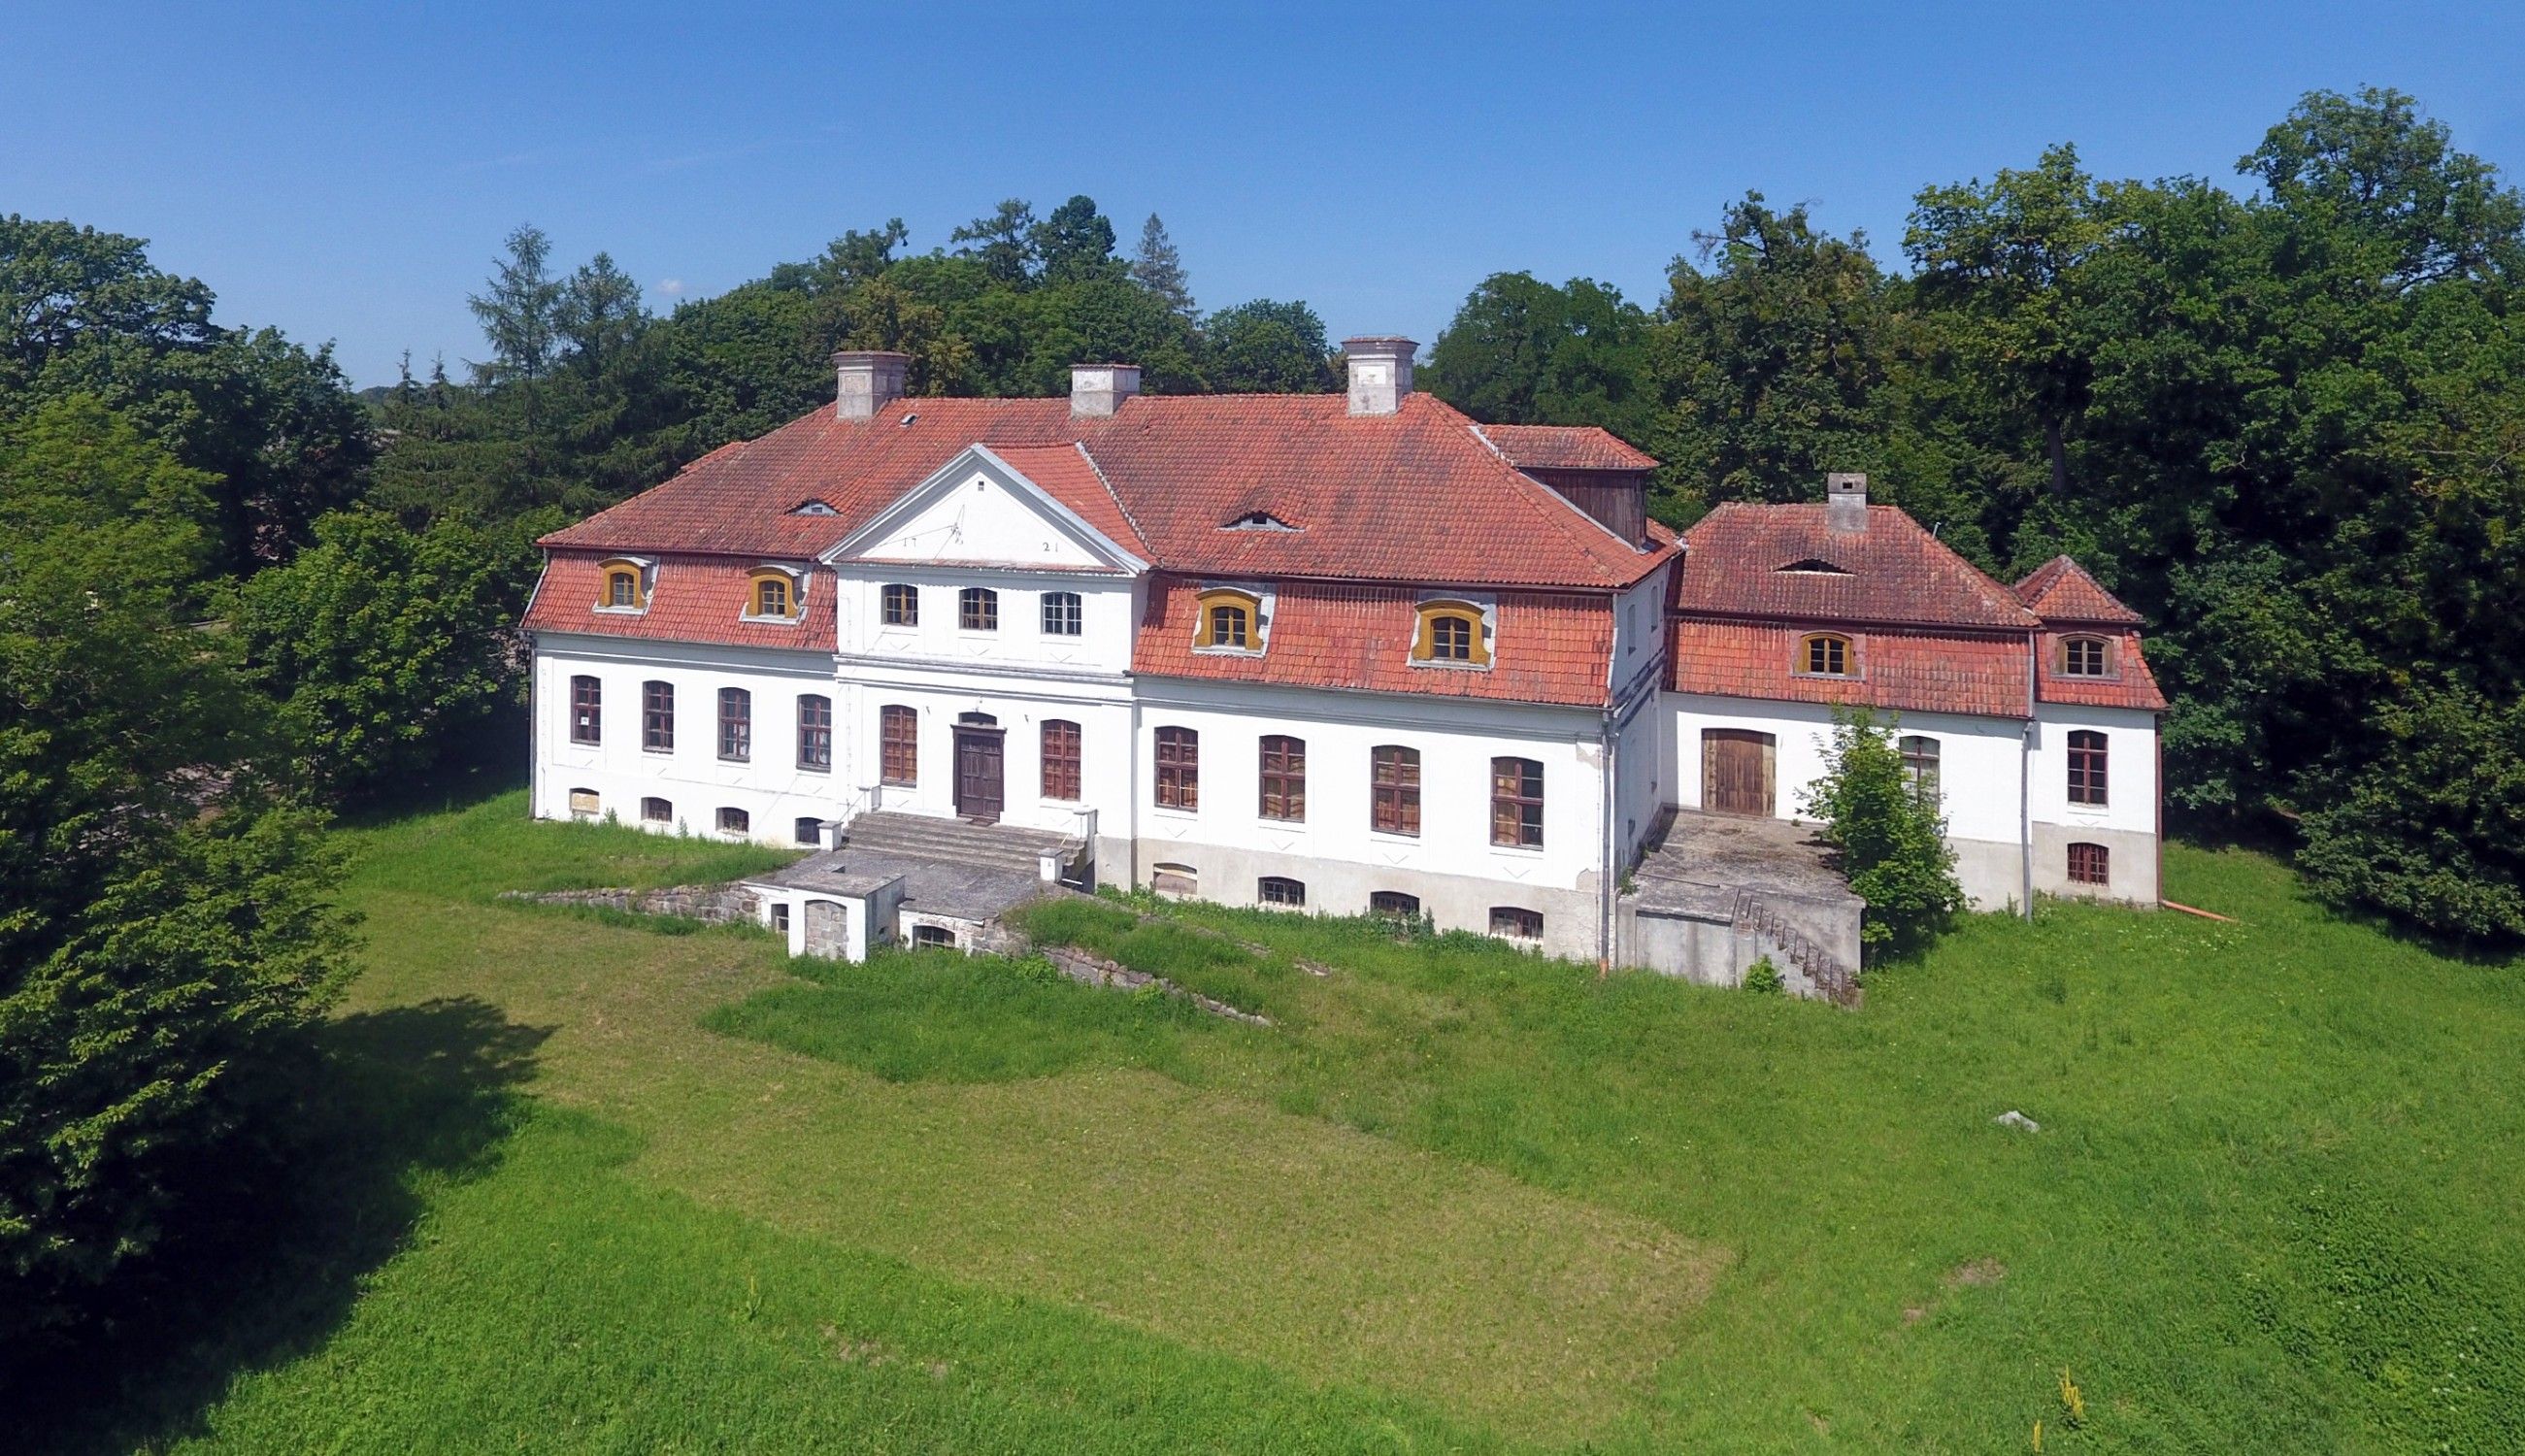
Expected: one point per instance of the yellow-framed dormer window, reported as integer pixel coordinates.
(1449, 634)
(1826, 654)
(772, 593)
(1229, 620)
(625, 587)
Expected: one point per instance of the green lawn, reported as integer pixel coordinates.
(597, 1187)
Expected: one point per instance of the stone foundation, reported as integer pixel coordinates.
(716, 905)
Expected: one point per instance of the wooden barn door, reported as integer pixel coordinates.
(1736, 771)
(979, 790)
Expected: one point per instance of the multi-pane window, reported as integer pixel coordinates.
(1450, 633)
(1394, 788)
(735, 724)
(1516, 803)
(808, 830)
(1450, 638)
(656, 811)
(1284, 777)
(1920, 766)
(898, 744)
(1394, 905)
(586, 711)
(735, 820)
(623, 586)
(902, 605)
(1179, 768)
(1230, 625)
(977, 610)
(2085, 657)
(1229, 619)
(2089, 864)
(1517, 923)
(657, 717)
(1281, 891)
(816, 732)
(1824, 654)
(1061, 614)
(771, 595)
(2087, 769)
(1061, 759)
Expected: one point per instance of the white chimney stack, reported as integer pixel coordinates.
(866, 380)
(1097, 390)
(1845, 501)
(1381, 373)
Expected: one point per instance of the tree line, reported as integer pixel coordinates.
(237, 594)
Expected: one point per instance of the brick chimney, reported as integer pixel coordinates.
(1381, 373)
(1098, 390)
(1845, 502)
(866, 380)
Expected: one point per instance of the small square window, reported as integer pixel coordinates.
(809, 830)
(780, 918)
(2089, 864)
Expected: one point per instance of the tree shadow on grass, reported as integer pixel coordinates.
(269, 1274)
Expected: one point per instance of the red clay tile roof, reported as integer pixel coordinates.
(1752, 560)
(1067, 475)
(1900, 670)
(2132, 685)
(1558, 447)
(691, 599)
(1549, 646)
(1416, 496)
(2061, 591)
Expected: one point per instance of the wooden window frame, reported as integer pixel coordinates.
(1227, 603)
(665, 810)
(2090, 769)
(977, 610)
(793, 594)
(897, 734)
(1517, 923)
(814, 733)
(1063, 614)
(1177, 782)
(1394, 789)
(735, 725)
(1923, 768)
(1282, 793)
(614, 573)
(586, 708)
(2090, 863)
(2106, 667)
(733, 820)
(1824, 646)
(1425, 635)
(899, 604)
(1516, 803)
(1062, 754)
(1394, 905)
(657, 716)
(1280, 891)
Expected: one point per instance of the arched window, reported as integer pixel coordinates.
(1179, 768)
(2089, 864)
(1284, 777)
(1281, 891)
(772, 593)
(2087, 769)
(815, 732)
(735, 820)
(932, 938)
(1451, 632)
(657, 717)
(1516, 803)
(2086, 656)
(1517, 923)
(1394, 789)
(1227, 620)
(1920, 766)
(656, 811)
(1826, 654)
(735, 724)
(902, 605)
(977, 610)
(586, 711)
(1061, 616)
(1394, 905)
(898, 744)
(625, 587)
(1061, 759)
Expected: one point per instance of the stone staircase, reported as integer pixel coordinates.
(1823, 971)
(1001, 846)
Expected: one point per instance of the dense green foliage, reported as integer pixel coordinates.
(2265, 1212)
(164, 937)
(2281, 425)
(1888, 838)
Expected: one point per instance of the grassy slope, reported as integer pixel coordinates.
(1459, 1197)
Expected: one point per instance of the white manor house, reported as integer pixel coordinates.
(1337, 654)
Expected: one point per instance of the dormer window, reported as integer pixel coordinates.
(1450, 635)
(1228, 620)
(1815, 566)
(813, 508)
(1826, 654)
(1257, 521)
(774, 594)
(626, 586)
(2086, 656)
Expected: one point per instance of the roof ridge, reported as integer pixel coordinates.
(1559, 504)
(1120, 504)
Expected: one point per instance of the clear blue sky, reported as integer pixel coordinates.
(346, 171)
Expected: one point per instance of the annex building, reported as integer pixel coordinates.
(1329, 654)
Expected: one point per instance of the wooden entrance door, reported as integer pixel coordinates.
(980, 794)
(1736, 771)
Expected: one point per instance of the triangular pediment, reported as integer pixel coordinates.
(980, 510)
